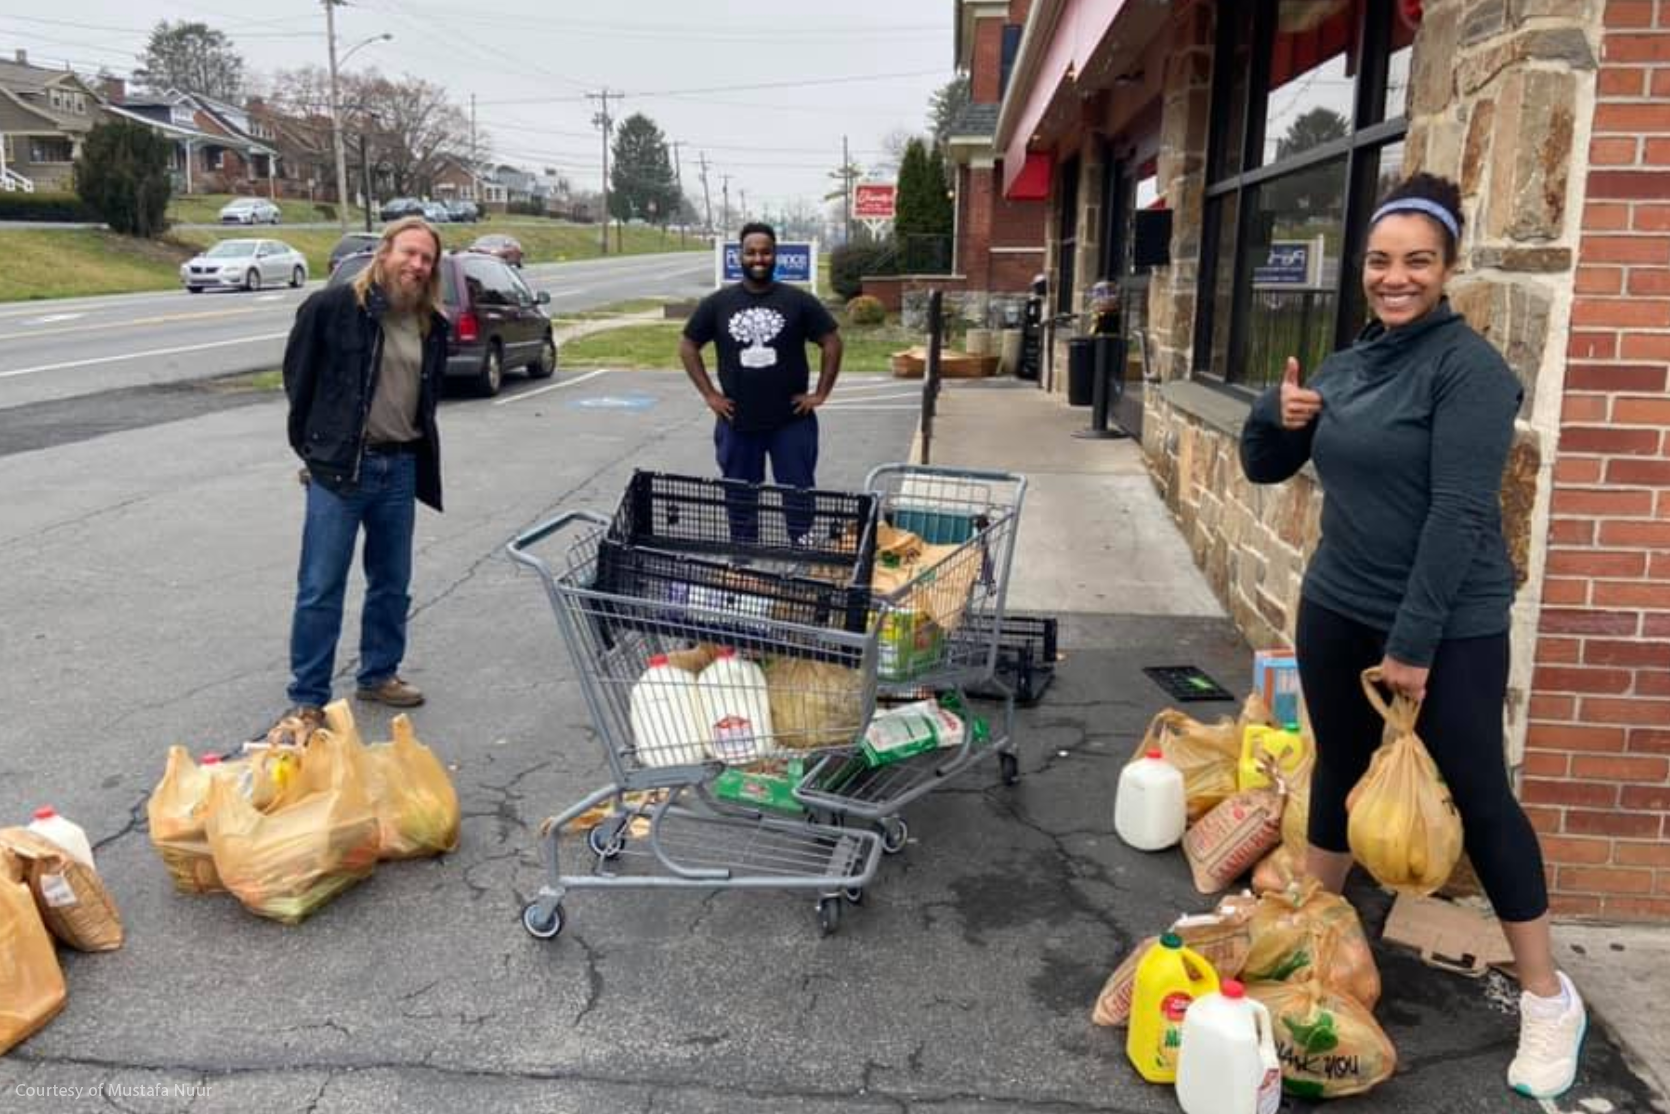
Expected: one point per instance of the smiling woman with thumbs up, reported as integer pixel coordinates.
(1408, 430)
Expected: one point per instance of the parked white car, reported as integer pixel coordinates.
(244, 264)
(249, 210)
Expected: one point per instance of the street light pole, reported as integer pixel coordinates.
(336, 119)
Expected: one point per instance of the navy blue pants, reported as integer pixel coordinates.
(1461, 725)
(792, 449)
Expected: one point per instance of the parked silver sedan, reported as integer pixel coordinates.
(249, 210)
(244, 264)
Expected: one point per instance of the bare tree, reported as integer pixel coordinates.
(420, 127)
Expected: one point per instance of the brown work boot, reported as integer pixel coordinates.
(394, 692)
(294, 727)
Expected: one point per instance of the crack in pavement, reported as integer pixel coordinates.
(97, 512)
(137, 819)
(594, 979)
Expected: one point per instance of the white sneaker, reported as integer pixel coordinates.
(1546, 1064)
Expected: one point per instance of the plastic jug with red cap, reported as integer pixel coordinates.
(1149, 810)
(64, 832)
(666, 716)
(1227, 1063)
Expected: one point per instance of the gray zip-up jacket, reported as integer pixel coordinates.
(1414, 432)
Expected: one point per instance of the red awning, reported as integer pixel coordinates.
(1033, 181)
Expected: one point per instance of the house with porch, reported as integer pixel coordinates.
(45, 115)
(213, 153)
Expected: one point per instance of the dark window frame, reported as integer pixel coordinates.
(1067, 236)
(1360, 148)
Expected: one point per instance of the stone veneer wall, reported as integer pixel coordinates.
(1499, 101)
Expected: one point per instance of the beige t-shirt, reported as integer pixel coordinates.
(394, 404)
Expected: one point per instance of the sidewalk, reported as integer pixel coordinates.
(1097, 538)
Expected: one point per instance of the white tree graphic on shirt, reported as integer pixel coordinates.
(756, 327)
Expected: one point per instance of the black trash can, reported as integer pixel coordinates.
(1081, 371)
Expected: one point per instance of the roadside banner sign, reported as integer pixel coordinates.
(1291, 263)
(875, 200)
(797, 262)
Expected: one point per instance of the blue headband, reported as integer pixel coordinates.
(1418, 205)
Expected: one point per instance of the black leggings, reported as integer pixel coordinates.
(1461, 725)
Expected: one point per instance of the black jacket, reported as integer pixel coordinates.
(330, 370)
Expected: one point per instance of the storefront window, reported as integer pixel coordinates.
(1291, 270)
(1311, 84)
(1325, 84)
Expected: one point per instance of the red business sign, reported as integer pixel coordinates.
(874, 200)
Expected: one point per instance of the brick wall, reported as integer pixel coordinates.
(986, 67)
(1597, 764)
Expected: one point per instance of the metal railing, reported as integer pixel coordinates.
(13, 182)
(1283, 323)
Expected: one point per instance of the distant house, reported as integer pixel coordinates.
(213, 151)
(456, 180)
(44, 117)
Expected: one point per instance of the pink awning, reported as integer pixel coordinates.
(1081, 26)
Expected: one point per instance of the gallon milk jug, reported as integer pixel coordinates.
(1169, 977)
(1148, 808)
(666, 722)
(736, 712)
(1228, 1062)
(65, 833)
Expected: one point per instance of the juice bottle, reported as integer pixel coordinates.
(1169, 978)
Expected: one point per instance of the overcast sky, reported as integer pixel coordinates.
(765, 88)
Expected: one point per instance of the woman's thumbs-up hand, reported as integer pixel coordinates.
(1299, 405)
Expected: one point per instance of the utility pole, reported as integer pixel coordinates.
(336, 119)
(472, 133)
(846, 187)
(678, 186)
(604, 121)
(743, 194)
(707, 198)
(725, 210)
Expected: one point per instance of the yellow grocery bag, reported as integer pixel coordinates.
(31, 983)
(178, 808)
(319, 840)
(1205, 753)
(1402, 824)
(416, 805)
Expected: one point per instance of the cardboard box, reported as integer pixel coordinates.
(1276, 680)
(1449, 936)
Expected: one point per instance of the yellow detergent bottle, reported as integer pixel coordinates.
(1284, 745)
(1169, 977)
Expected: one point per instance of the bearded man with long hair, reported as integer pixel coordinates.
(363, 370)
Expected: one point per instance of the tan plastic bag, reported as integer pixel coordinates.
(31, 982)
(416, 804)
(1238, 832)
(1402, 824)
(71, 898)
(319, 841)
(1284, 927)
(1278, 870)
(179, 807)
(1329, 1043)
(1205, 754)
(814, 703)
(1221, 937)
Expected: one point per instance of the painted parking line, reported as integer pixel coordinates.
(866, 406)
(552, 387)
(142, 355)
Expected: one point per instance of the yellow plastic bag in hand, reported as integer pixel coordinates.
(1402, 824)
(31, 983)
(287, 863)
(416, 805)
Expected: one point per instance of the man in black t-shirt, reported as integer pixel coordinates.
(760, 329)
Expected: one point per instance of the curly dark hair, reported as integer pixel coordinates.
(1439, 191)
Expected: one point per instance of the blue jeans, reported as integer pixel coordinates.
(793, 451)
(385, 504)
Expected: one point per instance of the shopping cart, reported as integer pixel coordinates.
(619, 604)
(941, 626)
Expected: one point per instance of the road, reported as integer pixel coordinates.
(78, 346)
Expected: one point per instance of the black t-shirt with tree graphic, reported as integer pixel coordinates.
(761, 343)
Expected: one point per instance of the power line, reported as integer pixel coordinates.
(799, 83)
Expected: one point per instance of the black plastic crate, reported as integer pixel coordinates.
(1026, 654)
(732, 519)
(749, 597)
